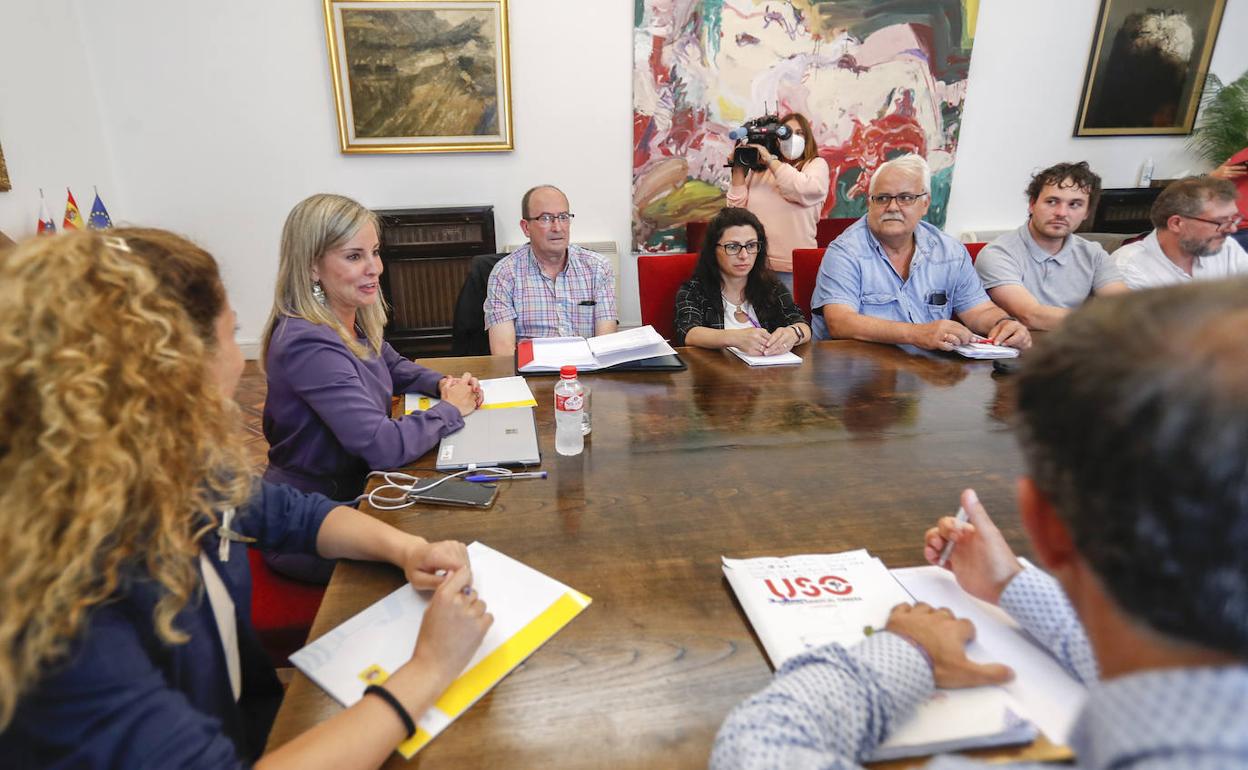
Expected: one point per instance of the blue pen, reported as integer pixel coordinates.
(509, 476)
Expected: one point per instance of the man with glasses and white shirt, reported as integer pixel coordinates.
(894, 278)
(1192, 220)
(548, 287)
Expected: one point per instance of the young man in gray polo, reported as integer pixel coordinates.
(1042, 270)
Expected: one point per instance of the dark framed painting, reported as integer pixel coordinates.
(5, 185)
(1147, 67)
(420, 75)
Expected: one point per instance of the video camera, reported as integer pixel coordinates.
(767, 131)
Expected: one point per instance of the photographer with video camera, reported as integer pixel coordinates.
(778, 175)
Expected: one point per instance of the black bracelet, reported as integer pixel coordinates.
(388, 697)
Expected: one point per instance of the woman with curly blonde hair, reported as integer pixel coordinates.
(125, 635)
(331, 375)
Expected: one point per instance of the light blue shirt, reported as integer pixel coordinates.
(856, 273)
(830, 706)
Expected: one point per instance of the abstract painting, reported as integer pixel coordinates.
(876, 80)
(419, 75)
(1148, 63)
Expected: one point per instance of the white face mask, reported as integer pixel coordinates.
(793, 147)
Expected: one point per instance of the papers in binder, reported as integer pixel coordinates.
(528, 607)
(801, 602)
(779, 359)
(549, 354)
(500, 393)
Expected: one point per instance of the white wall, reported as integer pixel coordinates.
(214, 119)
(50, 127)
(223, 117)
(1026, 80)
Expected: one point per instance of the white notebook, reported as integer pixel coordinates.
(780, 359)
(802, 602)
(528, 607)
(499, 392)
(1051, 696)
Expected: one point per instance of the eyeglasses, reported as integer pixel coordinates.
(549, 219)
(732, 248)
(905, 200)
(1221, 224)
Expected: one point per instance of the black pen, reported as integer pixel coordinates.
(587, 303)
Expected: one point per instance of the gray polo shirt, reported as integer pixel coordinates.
(1065, 279)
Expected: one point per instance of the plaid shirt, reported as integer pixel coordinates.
(569, 305)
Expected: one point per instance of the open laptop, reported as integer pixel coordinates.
(492, 437)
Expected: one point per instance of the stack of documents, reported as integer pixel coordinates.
(801, 602)
(552, 353)
(500, 393)
(780, 359)
(528, 607)
(985, 350)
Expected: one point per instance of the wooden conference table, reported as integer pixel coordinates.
(861, 446)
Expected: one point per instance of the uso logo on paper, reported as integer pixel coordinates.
(804, 589)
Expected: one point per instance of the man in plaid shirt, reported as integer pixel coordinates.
(548, 288)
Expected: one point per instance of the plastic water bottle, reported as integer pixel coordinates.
(569, 408)
(586, 426)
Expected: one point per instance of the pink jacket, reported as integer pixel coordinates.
(788, 203)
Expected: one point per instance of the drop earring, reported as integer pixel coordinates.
(318, 292)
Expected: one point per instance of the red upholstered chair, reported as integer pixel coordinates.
(659, 276)
(282, 609)
(805, 271)
(694, 233)
(826, 230)
(974, 249)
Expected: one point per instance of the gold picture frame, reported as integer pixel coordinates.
(1147, 66)
(420, 75)
(5, 184)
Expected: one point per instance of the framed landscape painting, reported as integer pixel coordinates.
(420, 75)
(1147, 67)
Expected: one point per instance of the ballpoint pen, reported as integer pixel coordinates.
(947, 551)
(507, 476)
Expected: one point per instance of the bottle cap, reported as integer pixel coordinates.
(568, 372)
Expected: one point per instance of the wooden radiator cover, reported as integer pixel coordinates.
(427, 253)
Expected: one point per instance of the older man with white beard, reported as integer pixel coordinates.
(1192, 219)
(894, 278)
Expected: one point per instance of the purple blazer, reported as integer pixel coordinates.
(327, 414)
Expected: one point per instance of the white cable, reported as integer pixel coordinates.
(406, 485)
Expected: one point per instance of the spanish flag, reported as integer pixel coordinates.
(73, 220)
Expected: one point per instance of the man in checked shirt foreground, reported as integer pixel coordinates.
(1134, 423)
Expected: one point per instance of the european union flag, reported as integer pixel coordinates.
(99, 219)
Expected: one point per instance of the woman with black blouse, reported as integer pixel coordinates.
(733, 299)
